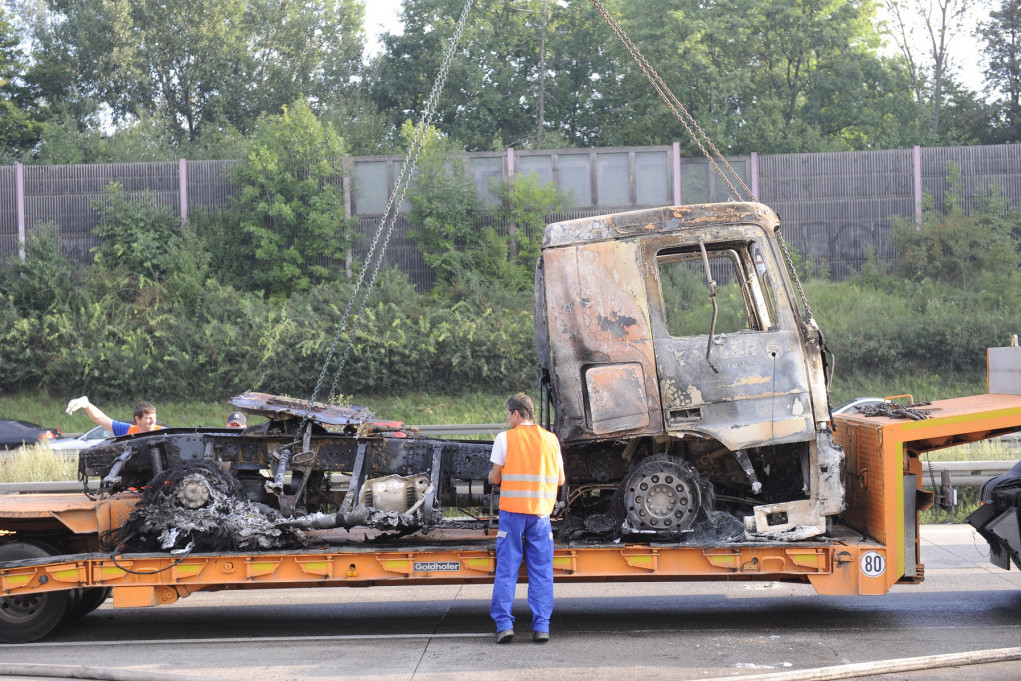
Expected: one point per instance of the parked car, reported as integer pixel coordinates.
(72, 445)
(14, 433)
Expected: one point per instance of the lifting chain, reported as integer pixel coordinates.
(384, 231)
(388, 221)
(696, 133)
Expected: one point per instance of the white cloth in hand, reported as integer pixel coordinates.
(77, 403)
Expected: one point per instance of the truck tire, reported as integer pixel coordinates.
(91, 598)
(29, 617)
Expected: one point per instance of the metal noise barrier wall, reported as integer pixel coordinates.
(836, 207)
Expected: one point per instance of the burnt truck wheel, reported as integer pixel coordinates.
(29, 617)
(663, 494)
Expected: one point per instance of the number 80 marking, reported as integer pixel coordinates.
(872, 564)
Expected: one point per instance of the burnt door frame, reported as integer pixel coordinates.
(761, 392)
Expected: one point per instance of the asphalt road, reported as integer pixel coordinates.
(618, 632)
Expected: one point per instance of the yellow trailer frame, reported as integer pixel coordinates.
(874, 545)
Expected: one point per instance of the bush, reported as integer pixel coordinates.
(957, 247)
(289, 201)
(404, 343)
(138, 235)
(20, 353)
(45, 279)
(446, 214)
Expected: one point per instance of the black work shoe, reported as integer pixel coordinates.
(505, 636)
(540, 636)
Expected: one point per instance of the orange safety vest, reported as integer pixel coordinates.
(532, 471)
(133, 429)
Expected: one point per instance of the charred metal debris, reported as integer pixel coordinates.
(894, 410)
(264, 487)
(688, 388)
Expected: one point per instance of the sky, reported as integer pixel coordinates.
(382, 16)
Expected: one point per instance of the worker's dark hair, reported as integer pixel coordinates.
(143, 408)
(522, 404)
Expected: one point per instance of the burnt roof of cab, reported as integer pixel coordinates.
(656, 220)
(274, 406)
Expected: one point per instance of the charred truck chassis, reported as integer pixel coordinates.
(688, 392)
(295, 477)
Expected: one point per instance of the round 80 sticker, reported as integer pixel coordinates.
(872, 564)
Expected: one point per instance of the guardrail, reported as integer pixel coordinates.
(466, 429)
(962, 474)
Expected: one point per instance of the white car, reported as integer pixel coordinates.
(72, 445)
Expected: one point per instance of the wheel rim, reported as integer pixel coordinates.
(664, 496)
(21, 609)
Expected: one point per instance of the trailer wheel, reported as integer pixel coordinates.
(91, 598)
(29, 617)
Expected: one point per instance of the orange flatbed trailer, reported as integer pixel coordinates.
(873, 546)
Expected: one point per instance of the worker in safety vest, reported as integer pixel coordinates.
(529, 468)
(144, 414)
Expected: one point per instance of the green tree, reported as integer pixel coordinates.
(20, 119)
(770, 76)
(144, 248)
(45, 279)
(1002, 37)
(289, 202)
(923, 31)
(205, 64)
(135, 233)
(444, 206)
(528, 73)
(694, 51)
(524, 207)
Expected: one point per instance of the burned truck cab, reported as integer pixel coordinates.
(684, 380)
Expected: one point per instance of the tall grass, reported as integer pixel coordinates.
(37, 463)
(984, 450)
(967, 502)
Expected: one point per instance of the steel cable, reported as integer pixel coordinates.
(389, 220)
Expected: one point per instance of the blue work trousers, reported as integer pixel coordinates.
(531, 536)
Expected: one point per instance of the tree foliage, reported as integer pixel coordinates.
(20, 119)
(446, 212)
(201, 64)
(1002, 36)
(525, 206)
(923, 31)
(191, 78)
(142, 246)
(45, 279)
(290, 204)
(771, 76)
(969, 248)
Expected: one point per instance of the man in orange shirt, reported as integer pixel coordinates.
(529, 468)
(144, 414)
